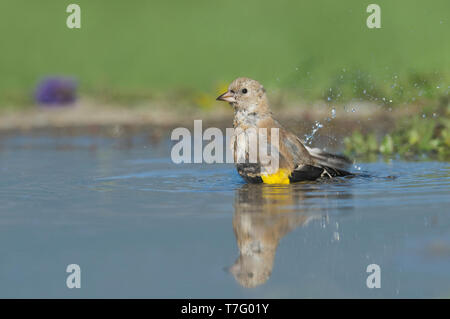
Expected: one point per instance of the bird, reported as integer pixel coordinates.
(296, 162)
(262, 217)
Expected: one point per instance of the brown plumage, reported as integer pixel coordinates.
(296, 162)
(262, 217)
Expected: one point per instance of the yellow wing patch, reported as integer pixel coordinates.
(280, 177)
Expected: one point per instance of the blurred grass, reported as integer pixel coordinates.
(422, 136)
(147, 49)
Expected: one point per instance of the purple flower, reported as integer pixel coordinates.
(56, 91)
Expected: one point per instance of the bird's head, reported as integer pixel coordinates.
(252, 271)
(246, 94)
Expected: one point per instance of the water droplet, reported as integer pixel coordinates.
(336, 236)
(324, 221)
(333, 113)
(316, 127)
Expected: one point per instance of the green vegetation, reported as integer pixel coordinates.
(128, 51)
(426, 135)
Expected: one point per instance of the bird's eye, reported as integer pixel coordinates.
(244, 91)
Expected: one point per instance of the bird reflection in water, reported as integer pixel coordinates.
(263, 215)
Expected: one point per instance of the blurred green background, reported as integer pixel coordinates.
(146, 48)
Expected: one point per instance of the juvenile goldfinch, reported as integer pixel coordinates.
(296, 162)
(262, 217)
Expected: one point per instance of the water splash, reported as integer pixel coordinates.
(336, 236)
(333, 113)
(309, 137)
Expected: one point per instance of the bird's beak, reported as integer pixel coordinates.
(227, 97)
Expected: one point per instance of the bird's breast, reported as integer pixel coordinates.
(246, 117)
(240, 144)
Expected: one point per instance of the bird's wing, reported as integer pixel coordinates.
(321, 164)
(306, 163)
(329, 160)
(295, 149)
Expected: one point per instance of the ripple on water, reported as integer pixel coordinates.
(212, 178)
(417, 180)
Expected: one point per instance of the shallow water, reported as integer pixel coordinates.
(140, 226)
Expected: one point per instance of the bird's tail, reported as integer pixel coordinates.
(337, 165)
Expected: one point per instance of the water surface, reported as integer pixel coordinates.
(140, 226)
